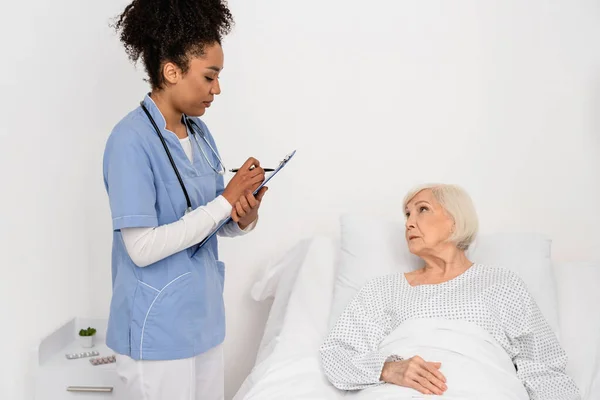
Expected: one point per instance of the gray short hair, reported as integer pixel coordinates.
(459, 206)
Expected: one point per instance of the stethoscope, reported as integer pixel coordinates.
(190, 125)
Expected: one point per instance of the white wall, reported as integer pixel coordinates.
(501, 97)
(61, 78)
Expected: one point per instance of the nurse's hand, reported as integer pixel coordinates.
(245, 211)
(247, 179)
(415, 373)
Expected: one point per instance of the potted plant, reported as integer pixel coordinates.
(86, 337)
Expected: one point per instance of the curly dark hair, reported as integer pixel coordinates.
(171, 30)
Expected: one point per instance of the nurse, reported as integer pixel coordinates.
(164, 179)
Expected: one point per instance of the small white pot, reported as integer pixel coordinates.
(86, 341)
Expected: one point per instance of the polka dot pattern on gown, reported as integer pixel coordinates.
(494, 298)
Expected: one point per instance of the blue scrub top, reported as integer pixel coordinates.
(173, 308)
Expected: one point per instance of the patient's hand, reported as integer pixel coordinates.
(415, 373)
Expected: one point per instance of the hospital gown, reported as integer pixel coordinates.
(494, 298)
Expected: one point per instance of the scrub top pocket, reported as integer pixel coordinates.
(180, 316)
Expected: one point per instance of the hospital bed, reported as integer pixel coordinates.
(313, 282)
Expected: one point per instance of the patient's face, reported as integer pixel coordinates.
(428, 226)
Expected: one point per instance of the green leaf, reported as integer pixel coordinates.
(87, 332)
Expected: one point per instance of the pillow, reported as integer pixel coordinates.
(370, 247)
(276, 283)
(292, 369)
(373, 247)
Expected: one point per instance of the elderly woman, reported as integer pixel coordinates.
(453, 327)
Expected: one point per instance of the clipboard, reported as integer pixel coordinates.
(282, 164)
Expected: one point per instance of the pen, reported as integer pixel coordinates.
(266, 169)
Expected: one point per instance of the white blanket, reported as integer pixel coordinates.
(476, 367)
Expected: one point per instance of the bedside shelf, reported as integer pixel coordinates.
(59, 378)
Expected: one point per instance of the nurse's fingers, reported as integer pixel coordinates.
(256, 171)
(251, 200)
(257, 178)
(240, 210)
(261, 193)
(250, 162)
(245, 204)
(234, 216)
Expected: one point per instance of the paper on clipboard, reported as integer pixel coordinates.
(279, 168)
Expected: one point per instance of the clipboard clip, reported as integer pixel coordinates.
(285, 160)
(288, 157)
